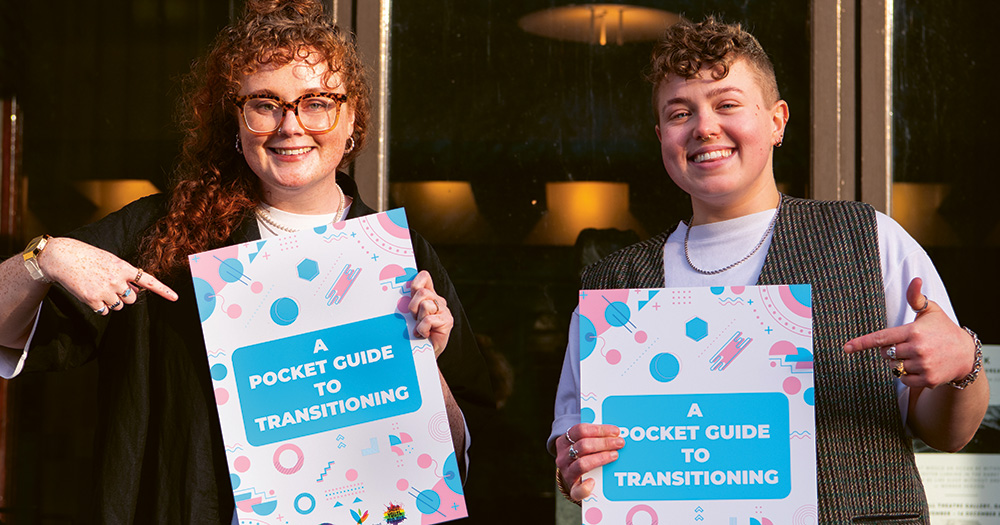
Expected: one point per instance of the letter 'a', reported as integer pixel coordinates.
(694, 410)
(320, 347)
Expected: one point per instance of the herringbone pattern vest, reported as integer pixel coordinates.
(866, 470)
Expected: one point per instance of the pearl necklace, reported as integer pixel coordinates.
(267, 219)
(770, 228)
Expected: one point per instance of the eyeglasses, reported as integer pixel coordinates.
(316, 112)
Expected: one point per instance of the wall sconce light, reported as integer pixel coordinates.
(573, 206)
(112, 195)
(444, 212)
(915, 207)
(599, 23)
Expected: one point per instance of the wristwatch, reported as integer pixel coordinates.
(30, 255)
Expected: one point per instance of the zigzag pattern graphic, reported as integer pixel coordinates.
(325, 471)
(216, 353)
(334, 237)
(423, 348)
(234, 447)
(731, 301)
(589, 396)
(800, 435)
(391, 283)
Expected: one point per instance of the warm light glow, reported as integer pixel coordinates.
(574, 206)
(444, 212)
(915, 207)
(112, 195)
(599, 23)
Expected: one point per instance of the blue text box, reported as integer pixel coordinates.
(311, 391)
(699, 447)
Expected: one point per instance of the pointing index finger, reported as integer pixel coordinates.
(887, 337)
(154, 285)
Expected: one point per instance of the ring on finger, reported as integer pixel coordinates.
(117, 304)
(571, 442)
(924, 307)
(126, 293)
(891, 352)
(101, 310)
(137, 276)
(573, 453)
(899, 370)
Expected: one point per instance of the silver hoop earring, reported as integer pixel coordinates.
(239, 144)
(350, 145)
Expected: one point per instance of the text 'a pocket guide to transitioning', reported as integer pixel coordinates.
(712, 389)
(331, 411)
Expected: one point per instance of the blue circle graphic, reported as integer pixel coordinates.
(428, 501)
(204, 295)
(588, 337)
(219, 371)
(452, 478)
(664, 367)
(717, 290)
(320, 229)
(231, 270)
(304, 495)
(235, 481)
(284, 311)
(809, 396)
(617, 314)
(587, 415)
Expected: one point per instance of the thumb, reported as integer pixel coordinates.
(916, 299)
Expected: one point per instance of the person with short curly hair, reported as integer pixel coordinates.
(879, 307)
(270, 114)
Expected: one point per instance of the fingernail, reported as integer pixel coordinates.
(848, 347)
(619, 442)
(614, 454)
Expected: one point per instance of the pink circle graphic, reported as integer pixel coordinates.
(221, 396)
(424, 460)
(351, 475)
(640, 337)
(642, 508)
(614, 357)
(234, 311)
(738, 289)
(404, 304)
(257, 287)
(402, 484)
(594, 515)
(277, 459)
(791, 385)
(242, 464)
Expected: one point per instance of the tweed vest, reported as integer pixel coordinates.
(866, 469)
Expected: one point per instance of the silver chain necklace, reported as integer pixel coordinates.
(770, 228)
(266, 218)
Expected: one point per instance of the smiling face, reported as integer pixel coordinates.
(716, 139)
(297, 169)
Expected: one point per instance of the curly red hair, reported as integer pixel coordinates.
(214, 187)
(687, 47)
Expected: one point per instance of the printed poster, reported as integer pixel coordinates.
(331, 412)
(713, 391)
(964, 488)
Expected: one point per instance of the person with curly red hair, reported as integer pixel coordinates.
(275, 108)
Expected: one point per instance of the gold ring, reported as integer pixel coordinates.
(899, 370)
(137, 276)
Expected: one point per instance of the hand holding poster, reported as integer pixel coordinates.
(330, 410)
(712, 390)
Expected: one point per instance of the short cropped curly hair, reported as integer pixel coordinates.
(687, 47)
